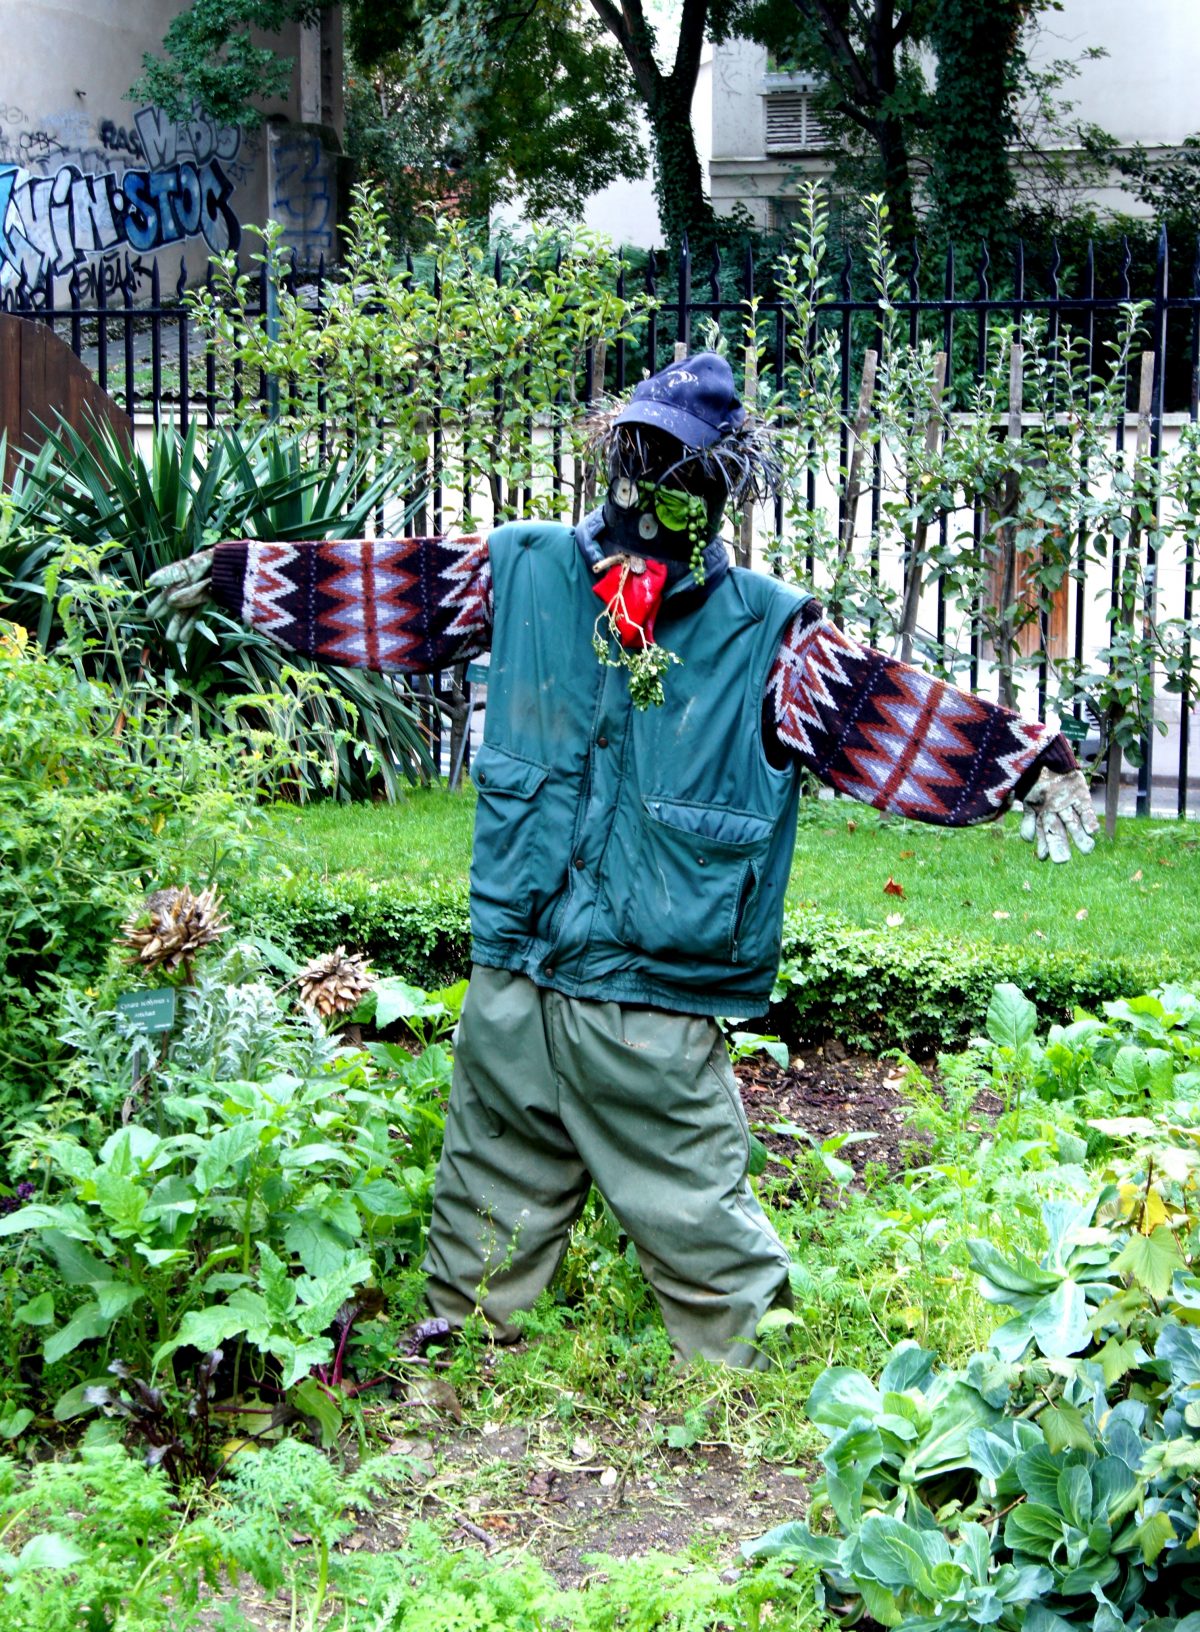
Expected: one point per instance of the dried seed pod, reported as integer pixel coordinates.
(172, 925)
(335, 983)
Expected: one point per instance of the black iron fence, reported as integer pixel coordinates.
(150, 356)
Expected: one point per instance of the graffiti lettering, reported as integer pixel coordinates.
(115, 138)
(303, 191)
(49, 224)
(167, 141)
(119, 273)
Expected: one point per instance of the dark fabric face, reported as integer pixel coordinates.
(641, 455)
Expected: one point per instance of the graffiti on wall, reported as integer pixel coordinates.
(150, 185)
(303, 191)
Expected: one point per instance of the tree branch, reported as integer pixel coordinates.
(839, 44)
(627, 25)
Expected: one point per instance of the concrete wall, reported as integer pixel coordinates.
(94, 186)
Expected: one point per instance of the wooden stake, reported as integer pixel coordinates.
(1125, 609)
(744, 548)
(866, 392)
(912, 589)
(1007, 528)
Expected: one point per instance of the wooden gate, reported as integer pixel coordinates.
(41, 380)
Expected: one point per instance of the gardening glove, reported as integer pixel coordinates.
(183, 590)
(1058, 806)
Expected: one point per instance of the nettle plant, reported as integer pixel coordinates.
(471, 366)
(246, 1191)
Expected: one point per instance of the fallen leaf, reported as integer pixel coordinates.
(542, 1484)
(894, 920)
(1081, 915)
(437, 1394)
(1136, 878)
(851, 827)
(907, 855)
(892, 888)
(583, 1449)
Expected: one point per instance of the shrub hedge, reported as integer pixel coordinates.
(869, 988)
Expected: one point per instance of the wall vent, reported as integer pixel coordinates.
(793, 123)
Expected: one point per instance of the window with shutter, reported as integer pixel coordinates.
(793, 123)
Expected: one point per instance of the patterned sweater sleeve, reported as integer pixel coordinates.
(398, 605)
(895, 737)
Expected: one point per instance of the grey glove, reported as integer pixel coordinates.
(1058, 807)
(183, 590)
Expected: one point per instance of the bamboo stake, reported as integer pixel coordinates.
(912, 590)
(1125, 607)
(858, 433)
(744, 548)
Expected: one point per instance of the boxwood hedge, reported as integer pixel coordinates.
(870, 988)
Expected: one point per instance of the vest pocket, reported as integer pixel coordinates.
(508, 864)
(694, 881)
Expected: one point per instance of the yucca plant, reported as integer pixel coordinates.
(126, 515)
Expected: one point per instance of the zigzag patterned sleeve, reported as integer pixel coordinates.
(398, 605)
(894, 737)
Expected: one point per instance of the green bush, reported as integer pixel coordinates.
(423, 935)
(921, 991)
(100, 800)
(238, 1198)
(1049, 1484)
(869, 988)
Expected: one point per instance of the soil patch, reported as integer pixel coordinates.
(828, 1091)
(560, 1498)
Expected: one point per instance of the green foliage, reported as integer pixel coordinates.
(392, 360)
(95, 520)
(256, 1178)
(972, 126)
(923, 991)
(422, 934)
(101, 796)
(95, 1543)
(1049, 1482)
(211, 59)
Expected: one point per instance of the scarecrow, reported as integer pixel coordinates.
(650, 712)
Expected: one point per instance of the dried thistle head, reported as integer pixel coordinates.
(335, 983)
(172, 925)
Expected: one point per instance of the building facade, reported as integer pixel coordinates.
(96, 190)
(767, 133)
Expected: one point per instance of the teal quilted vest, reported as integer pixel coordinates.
(637, 857)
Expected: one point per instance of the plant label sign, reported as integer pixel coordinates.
(150, 1012)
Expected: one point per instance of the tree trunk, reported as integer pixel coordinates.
(683, 205)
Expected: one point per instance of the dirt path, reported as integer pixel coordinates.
(561, 1494)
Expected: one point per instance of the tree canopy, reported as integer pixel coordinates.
(540, 99)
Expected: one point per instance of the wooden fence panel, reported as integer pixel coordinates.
(41, 379)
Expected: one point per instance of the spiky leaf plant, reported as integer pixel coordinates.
(146, 512)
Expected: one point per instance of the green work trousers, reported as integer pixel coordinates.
(551, 1093)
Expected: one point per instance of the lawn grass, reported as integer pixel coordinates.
(1137, 895)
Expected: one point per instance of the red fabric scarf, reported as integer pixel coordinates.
(632, 599)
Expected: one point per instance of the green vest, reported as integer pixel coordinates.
(637, 857)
